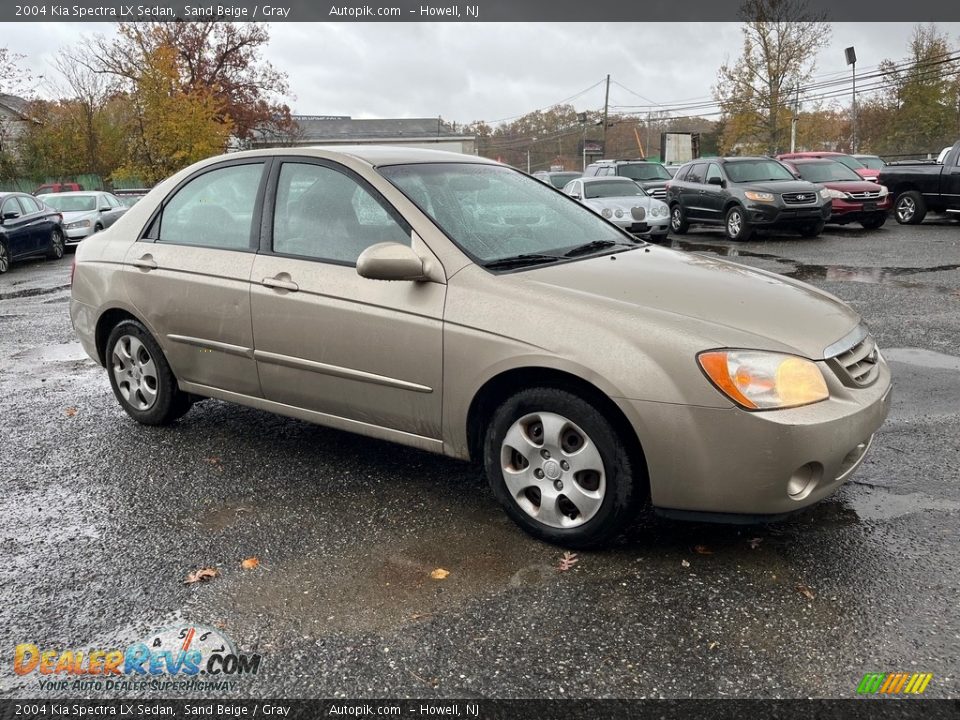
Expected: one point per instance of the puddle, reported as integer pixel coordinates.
(922, 358)
(895, 276)
(67, 352)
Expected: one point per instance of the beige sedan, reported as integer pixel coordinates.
(459, 306)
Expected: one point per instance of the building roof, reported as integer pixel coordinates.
(14, 104)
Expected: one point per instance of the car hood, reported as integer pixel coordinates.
(721, 294)
(851, 186)
(778, 187)
(624, 203)
(868, 173)
(76, 215)
(652, 184)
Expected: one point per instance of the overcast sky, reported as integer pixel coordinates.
(490, 71)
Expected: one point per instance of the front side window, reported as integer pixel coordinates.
(324, 214)
(215, 209)
(10, 205)
(493, 212)
(30, 205)
(713, 171)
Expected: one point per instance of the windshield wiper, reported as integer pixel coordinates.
(519, 261)
(591, 247)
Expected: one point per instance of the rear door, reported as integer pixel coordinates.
(189, 275)
(713, 196)
(16, 228)
(368, 352)
(691, 193)
(950, 181)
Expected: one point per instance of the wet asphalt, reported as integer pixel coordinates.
(101, 520)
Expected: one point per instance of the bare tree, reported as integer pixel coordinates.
(780, 42)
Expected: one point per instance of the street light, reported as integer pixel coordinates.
(532, 140)
(851, 55)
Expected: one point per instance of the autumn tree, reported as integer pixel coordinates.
(780, 41)
(221, 60)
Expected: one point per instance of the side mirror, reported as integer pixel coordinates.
(106, 208)
(390, 261)
(11, 215)
(575, 196)
(715, 181)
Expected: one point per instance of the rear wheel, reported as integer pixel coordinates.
(910, 208)
(678, 220)
(736, 225)
(873, 222)
(141, 379)
(56, 244)
(559, 468)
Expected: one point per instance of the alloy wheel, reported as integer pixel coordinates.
(4, 258)
(906, 209)
(56, 243)
(734, 224)
(135, 372)
(676, 220)
(553, 470)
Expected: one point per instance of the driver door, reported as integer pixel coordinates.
(368, 352)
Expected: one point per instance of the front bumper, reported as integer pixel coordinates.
(844, 211)
(782, 215)
(75, 235)
(650, 225)
(727, 460)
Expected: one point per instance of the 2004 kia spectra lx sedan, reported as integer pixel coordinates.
(459, 306)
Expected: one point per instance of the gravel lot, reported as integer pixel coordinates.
(101, 519)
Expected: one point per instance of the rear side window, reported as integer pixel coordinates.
(325, 214)
(215, 209)
(696, 172)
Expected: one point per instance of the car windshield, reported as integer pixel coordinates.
(611, 188)
(493, 212)
(872, 162)
(558, 180)
(828, 171)
(71, 203)
(644, 171)
(848, 160)
(756, 171)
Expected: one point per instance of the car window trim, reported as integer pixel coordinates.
(270, 204)
(155, 221)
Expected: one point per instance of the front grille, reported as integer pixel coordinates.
(658, 193)
(867, 195)
(857, 366)
(804, 198)
(638, 213)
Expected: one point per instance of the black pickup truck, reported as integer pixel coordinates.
(924, 186)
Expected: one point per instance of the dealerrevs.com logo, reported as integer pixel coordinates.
(192, 657)
(895, 683)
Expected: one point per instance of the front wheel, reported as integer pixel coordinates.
(56, 244)
(910, 208)
(678, 220)
(4, 258)
(736, 226)
(559, 468)
(141, 378)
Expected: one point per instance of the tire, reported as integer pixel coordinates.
(4, 258)
(678, 219)
(141, 378)
(97, 228)
(57, 247)
(910, 208)
(736, 226)
(589, 506)
(874, 222)
(811, 230)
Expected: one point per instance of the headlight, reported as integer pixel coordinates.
(659, 210)
(759, 196)
(77, 224)
(618, 212)
(884, 191)
(830, 194)
(757, 380)
(607, 213)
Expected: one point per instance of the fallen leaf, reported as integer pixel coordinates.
(806, 592)
(685, 563)
(439, 574)
(216, 462)
(250, 563)
(702, 550)
(71, 411)
(568, 560)
(754, 543)
(713, 645)
(201, 575)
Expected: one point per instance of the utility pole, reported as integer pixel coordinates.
(582, 117)
(851, 56)
(794, 119)
(606, 105)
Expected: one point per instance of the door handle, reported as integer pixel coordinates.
(145, 262)
(280, 284)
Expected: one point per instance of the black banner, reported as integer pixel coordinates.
(649, 11)
(472, 709)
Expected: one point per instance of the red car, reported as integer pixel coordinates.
(849, 160)
(853, 198)
(58, 187)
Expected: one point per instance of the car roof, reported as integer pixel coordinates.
(78, 193)
(607, 178)
(374, 155)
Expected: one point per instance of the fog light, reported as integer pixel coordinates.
(804, 480)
